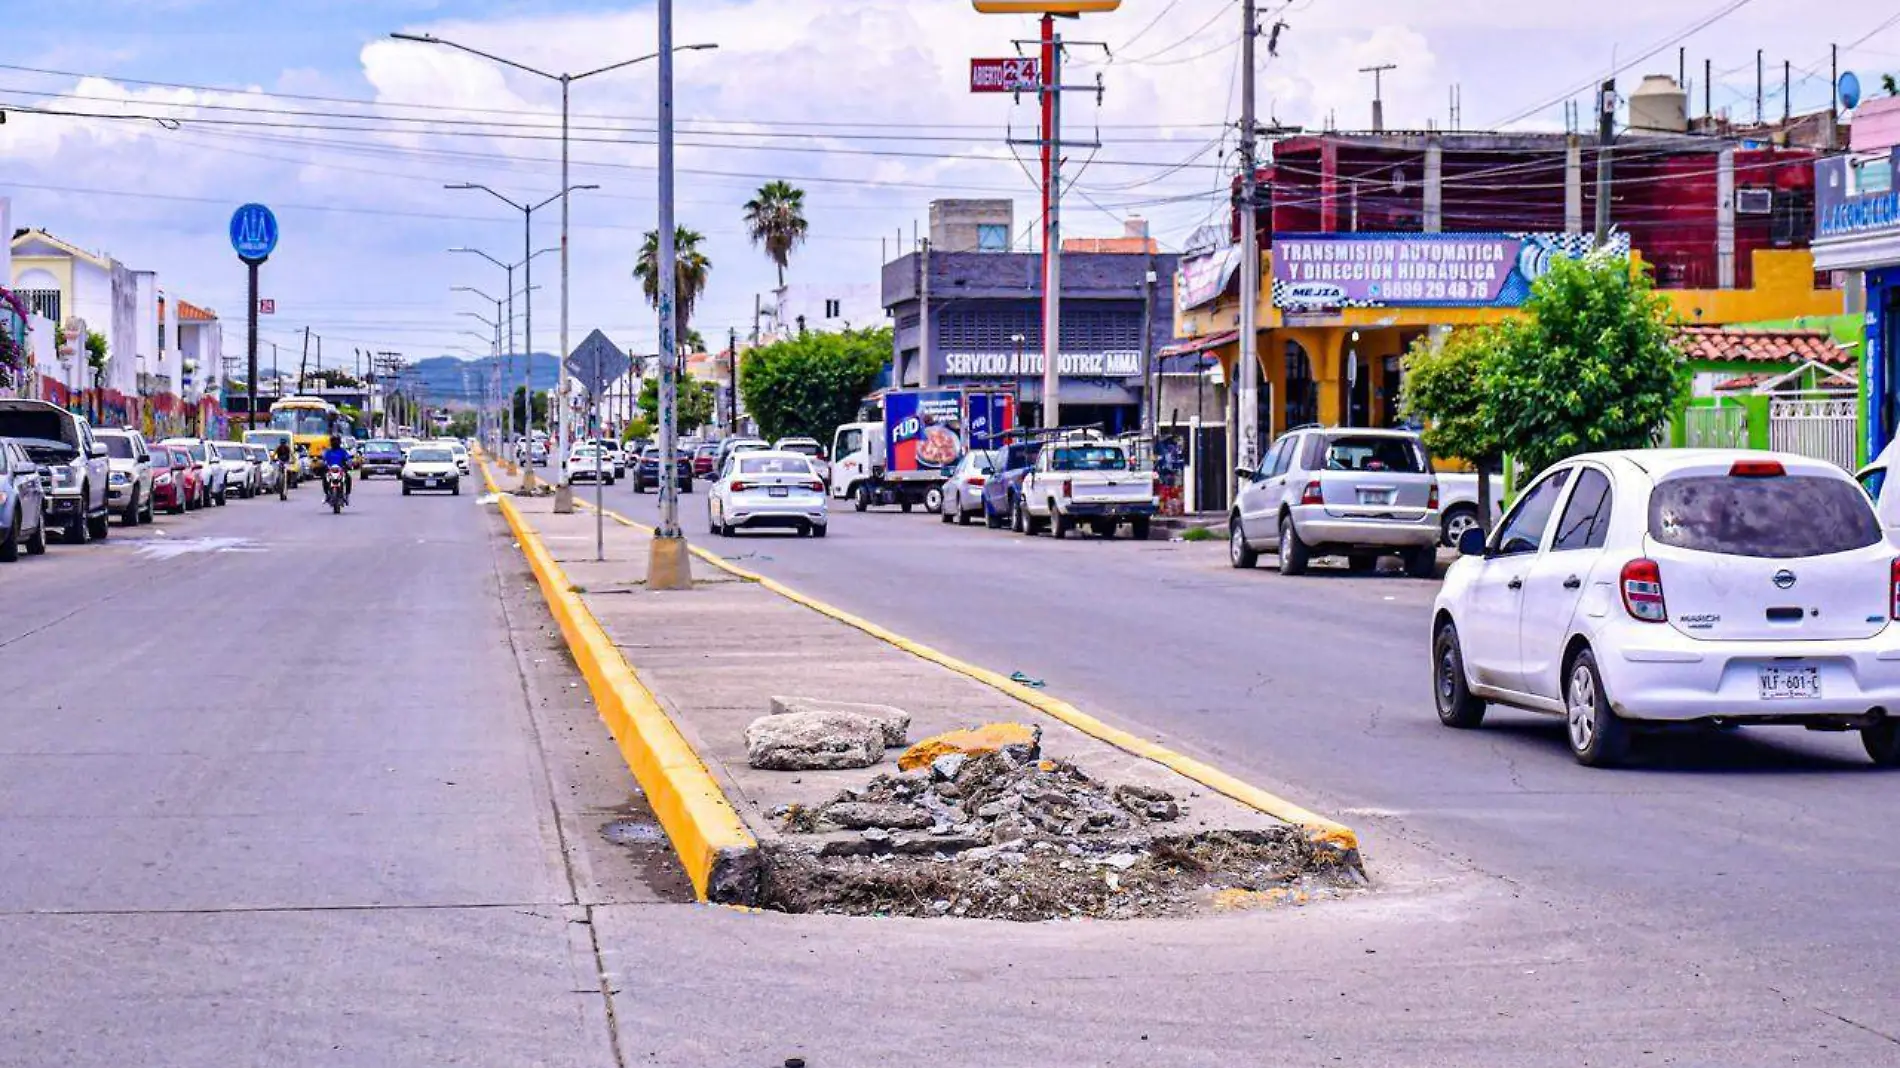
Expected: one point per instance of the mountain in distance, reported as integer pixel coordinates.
(452, 380)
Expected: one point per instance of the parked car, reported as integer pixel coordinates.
(1082, 479)
(430, 467)
(1458, 504)
(240, 475)
(1677, 586)
(129, 484)
(761, 488)
(74, 473)
(1000, 490)
(706, 461)
(1335, 491)
(212, 486)
(268, 474)
(586, 461)
(22, 503)
(809, 447)
(381, 456)
(647, 473)
(176, 479)
(963, 490)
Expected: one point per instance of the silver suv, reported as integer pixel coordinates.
(73, 468)
(1337, 491)
(129, 487)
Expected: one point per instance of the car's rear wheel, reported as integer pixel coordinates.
(963, 517)
(1451, 691)
(933, 500)
(36, 545)
(1018, 519)
(131, 516)
(904, 506)
(100, 526)
(1294, 555)
(1362, 563)
(1598, 736)
(1239, 553)
(150, 511)
(10, 545)
(819, 530)
(994, 522)
(1882, 742)
(1059, 524)
(943, 509)
(861, 497)
(1458, 519)
(1138, 528)
(1422, 562)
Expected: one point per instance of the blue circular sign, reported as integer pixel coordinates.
(253, 232)
(1850, 90)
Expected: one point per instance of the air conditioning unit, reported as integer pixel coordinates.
(1754, 201)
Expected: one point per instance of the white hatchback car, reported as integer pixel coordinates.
(1677, 586)
(767, 488)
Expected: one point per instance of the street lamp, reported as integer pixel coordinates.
(566, 80)
(526, 381)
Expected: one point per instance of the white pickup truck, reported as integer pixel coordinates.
(1090, 481)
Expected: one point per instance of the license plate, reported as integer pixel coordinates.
(430, 482)
(1789, 682)
(780, 491)
(1371, 496)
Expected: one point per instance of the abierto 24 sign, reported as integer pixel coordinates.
(1387, 270)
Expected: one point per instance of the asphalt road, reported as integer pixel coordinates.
(279, 787)
(1760, 859)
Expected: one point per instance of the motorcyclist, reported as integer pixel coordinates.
(339, 457)
(282, 455)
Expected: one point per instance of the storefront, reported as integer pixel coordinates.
(1857, 228)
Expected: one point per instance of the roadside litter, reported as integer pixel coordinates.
(1019, 677)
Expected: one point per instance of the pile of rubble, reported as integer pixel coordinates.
(1009, 834)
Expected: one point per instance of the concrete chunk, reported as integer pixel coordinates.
(811, 741)
(894, 721)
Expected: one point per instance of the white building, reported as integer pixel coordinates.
(823, 306)
(63, 283)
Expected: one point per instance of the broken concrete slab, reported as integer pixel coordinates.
(973, 742)
(895, 721)
(812, 741)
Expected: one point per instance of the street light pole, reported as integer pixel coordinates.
(668, 566)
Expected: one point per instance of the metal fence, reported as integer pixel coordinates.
(1715, 428)
(1818, 426)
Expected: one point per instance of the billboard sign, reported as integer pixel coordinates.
(1207, 276)
(1013, 74)
(1856, 195)
(1113, 363)
(924, 429)
(1395, 270)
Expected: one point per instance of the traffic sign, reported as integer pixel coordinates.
(266, 306)
(597, 362)
(253, 232)
(1012, 74)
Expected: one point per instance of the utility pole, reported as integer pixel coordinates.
(1758, 112)
(1243, 439)
(1150, 401)
(732, 375)
(1606, 136)
(303, 362)
(1378, 94)
(926, 375)
(668, 566)
(1787, 90)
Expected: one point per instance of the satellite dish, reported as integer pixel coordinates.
(1850, 90)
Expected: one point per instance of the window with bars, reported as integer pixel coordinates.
(41, 302)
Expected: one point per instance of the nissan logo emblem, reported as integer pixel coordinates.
(1784, 578)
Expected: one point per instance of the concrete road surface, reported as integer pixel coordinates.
(281, 788)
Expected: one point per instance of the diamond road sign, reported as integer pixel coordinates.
(596, 362)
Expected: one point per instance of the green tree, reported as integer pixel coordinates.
(539, 409)
(808, 385)
(1444, 391)
(775, 220)
(637, 427)
(463, 424)
(1889, 86)
(691, 268)
(1592, 364)
(695, 403)
(98, 354)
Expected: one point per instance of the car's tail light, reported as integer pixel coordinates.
(1432, 501)
(976, 480)
(1312, 495)
(738, 486)
(1756, 469)
(1643, 592)
(1893, 587)
(815, 486)
(1068, 487)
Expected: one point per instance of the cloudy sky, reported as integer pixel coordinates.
(180, 109)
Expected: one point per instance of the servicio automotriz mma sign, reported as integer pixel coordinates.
(1114, 364)
(1386, 270)
(1017, 74)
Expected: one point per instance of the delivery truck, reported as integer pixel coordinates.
(907, 440)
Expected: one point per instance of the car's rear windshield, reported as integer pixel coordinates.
(1088, 458)
(430, 456)
(1391, 455)
(118, 446)
(772, 465)
(809, 448)
(1777, 518)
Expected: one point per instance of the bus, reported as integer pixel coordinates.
(310, 421)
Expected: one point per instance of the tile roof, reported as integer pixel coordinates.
(1787, 347)
(188, 310)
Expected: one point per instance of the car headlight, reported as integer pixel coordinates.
(161, 480)
(118, 478)
(65, 476)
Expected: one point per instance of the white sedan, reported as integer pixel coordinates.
(1675, 586)
(765, 488)
(430, 467)
(586, 461)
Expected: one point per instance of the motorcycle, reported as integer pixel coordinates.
(333, 492)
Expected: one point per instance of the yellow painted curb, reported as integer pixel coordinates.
(720, 856)
(1317, 827)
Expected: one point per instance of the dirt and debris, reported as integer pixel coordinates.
(1011, 835)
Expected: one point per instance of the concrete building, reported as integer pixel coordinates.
(968, 317)
(972, 225)
(821, 306)
(1857, 231)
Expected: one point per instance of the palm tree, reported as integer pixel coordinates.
(689, 276)
(776, 219)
